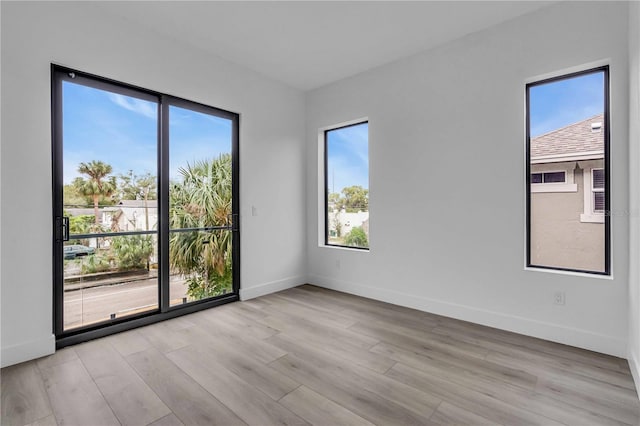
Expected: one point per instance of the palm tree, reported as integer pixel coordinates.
(202, 199)
(99, 184)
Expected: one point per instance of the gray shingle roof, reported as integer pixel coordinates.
(575, 138)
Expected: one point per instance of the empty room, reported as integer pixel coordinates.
(319, 213)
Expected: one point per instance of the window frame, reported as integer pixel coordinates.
(604, 217)
(325, 197)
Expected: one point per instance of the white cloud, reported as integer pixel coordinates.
(145, 108)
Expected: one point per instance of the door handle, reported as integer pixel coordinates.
(62, 229)
(65, 228)
(231, 218)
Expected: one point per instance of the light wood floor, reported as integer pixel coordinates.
(314, 356)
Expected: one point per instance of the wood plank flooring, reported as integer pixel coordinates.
(311, 356)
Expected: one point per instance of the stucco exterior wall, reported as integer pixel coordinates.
(559, 238)
(348, 221)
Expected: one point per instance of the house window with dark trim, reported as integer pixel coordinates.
(567, 172)
(346, 177)
(549, 177)
(597, 187)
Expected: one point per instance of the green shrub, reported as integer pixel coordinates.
(132, 252)
(95, 263)
(81, 224)
(356, 238)
(216, 285)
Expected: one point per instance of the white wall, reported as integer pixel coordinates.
(82, 36)
(446, 131)
(634, 191)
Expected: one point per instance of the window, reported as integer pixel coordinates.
(549, 177)
(567, 172)
(597, 188)
(346, 173)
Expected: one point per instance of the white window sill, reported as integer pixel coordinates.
(554, 187)
(592, 218)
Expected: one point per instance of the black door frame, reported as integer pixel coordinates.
(164, 311)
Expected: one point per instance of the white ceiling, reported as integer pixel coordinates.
(308, 44)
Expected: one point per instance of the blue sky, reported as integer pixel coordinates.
(195, 136)
(348, 157)
(122, 131)
(557, 104)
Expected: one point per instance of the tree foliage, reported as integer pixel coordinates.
(98, 183)
(352, 198)
(132, 252)
(356, 198)
(72, 197)
(135, 187)
(356, 238)
(202, 199)
(80, 224)
(335, 200)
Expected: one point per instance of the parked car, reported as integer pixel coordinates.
(77, 250)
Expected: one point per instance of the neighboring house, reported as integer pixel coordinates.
(131, 215)
(348, 221)
(567, 196)
(127, 215)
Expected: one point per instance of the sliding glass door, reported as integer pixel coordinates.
(200, 202)
(145, 206)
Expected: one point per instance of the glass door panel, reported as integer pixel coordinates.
(200, 204)
(109, 203)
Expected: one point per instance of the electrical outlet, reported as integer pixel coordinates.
(337, 263)
(254, 211)
(559, 298)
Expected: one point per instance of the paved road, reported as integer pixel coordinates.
(82, 307)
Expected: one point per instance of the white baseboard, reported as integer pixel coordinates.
(556, 333)
(26, 351)
(271, 287)
(635, 370)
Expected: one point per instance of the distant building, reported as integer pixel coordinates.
(131, 215)
(127, 215)
(347, 221)
(567, 196)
